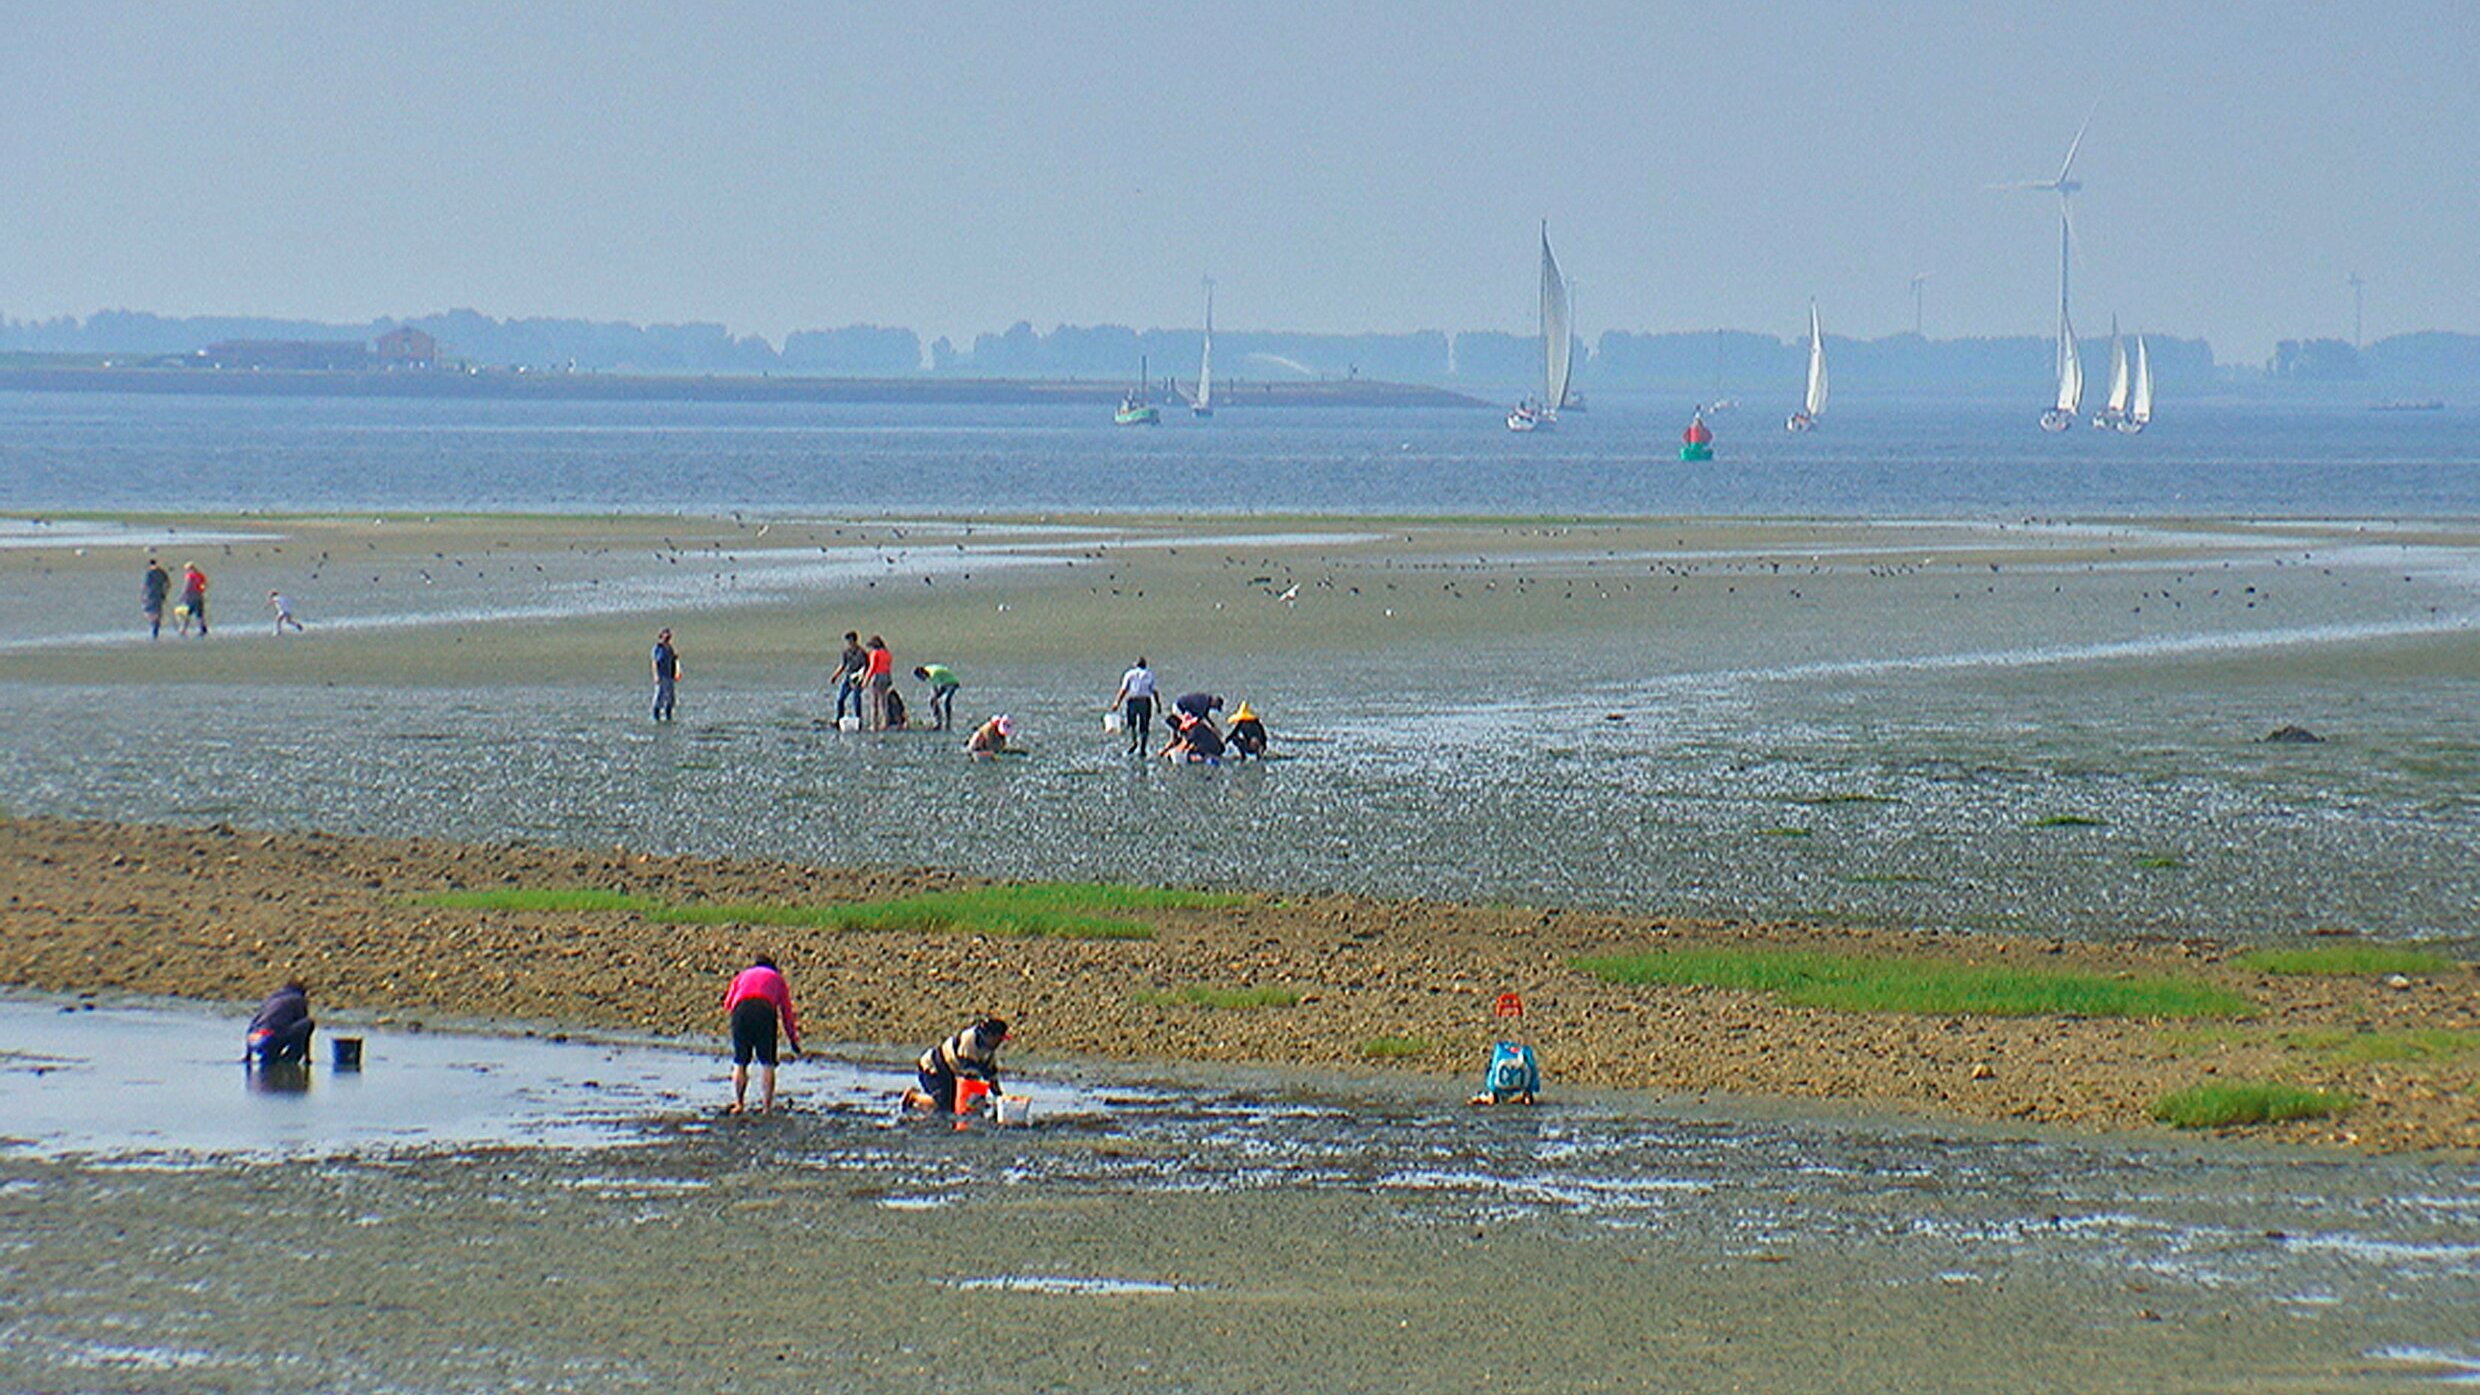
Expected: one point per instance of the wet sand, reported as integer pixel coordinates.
(221, 913)
(747, 1259)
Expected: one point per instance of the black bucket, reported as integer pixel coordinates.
(347, 1052)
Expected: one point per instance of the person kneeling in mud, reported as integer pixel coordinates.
(1194, 738)
(1512, 1076)
(1247, 736)
(972, 1054)
(279, 1034)
(991, 738)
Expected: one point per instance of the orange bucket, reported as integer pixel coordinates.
(971, 1096)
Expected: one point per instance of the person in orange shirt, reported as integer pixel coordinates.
(877, 680)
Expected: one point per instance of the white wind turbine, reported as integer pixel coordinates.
(2070, 368)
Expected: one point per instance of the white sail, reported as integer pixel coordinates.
(2070, 367)
(1554, 329)
(1816, 401)
(1205, 361)
(2117, 405)
(2141, 410)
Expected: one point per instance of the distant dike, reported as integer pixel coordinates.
(616, 387)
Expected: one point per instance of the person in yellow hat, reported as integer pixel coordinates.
(1247, 736)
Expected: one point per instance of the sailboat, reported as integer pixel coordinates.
(1203, 405)
(1137, 408)
(2114, 410)
(1805, 419)
(1531, 415)
(2140, 410)
(2070, 367)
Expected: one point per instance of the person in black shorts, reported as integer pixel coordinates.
(758, 1002)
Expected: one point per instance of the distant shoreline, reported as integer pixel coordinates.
(614, 387)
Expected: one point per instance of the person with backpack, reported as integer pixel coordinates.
(1511, 1077)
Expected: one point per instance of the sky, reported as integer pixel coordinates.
(1336, 167)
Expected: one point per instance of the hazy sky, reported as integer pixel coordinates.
(956, 167)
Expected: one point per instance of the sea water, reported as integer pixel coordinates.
(1873, 459)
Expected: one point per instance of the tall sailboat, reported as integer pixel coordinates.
(1204, 403)
(2114, 409)
(2070, 366)
(1531, 415)
(1811, 406)
(2140, 409)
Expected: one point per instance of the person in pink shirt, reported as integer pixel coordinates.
(758, 1002)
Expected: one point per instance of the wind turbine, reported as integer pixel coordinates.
(2070, 369)
(2356, 285)
(1917, 281)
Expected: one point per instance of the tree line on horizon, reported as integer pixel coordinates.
(1704, 363)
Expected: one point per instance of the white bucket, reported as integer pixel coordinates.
(1014, 1111)
(848, 724)
(1110, 721)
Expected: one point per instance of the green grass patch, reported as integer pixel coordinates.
(2162, 862)
(1024, 910)
(2069, 821)
(2231, 1103)
(1782, 832)
(1394, 1048)
(2422, 1044)
(2344, 960)
(1822, 800)
(1199, 995)
(1862, 983)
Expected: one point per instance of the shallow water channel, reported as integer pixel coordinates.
(2373, 1264)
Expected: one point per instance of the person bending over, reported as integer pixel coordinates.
(943, 687)
(1247, 736)
(757, 1003)
(280, 1032)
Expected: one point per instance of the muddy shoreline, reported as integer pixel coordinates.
(220, 913)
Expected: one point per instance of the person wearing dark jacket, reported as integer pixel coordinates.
(280, 1032)
(972, 1054)
(1247, 736)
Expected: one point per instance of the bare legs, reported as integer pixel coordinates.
(766, 1088)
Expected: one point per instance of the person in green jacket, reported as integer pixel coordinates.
(943, 686)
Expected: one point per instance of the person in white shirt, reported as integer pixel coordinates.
(1135, 700)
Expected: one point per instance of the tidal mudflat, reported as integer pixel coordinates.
(2043, 727)
(2038, 739)
(1222, 1232)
